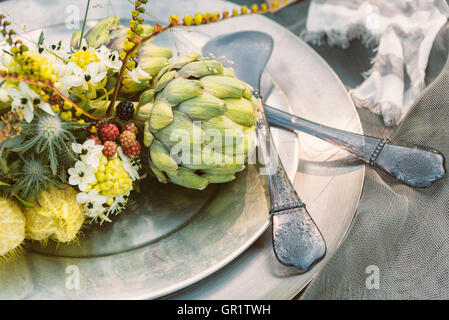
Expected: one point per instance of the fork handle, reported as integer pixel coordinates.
(413, 165)
(297, 240)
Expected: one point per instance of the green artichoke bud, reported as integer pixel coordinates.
(161, 158)
(131, 87)
(75, 41)
(151, 64)
(187, 178)
(145, 105)
(161, 114)
(152, 50)
(201, 125)
(117, 38)
(100, 33)
(180, 90)
(146, 97)
(151, 58)
(148, 137)
(203, 107)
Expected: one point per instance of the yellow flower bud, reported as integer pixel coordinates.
(198, 18)
(188, 20)
(174, 20)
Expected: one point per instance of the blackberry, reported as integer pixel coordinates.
(125, 110)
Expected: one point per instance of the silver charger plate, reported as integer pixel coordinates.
(171, 237)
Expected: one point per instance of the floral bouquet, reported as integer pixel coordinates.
(80, 127)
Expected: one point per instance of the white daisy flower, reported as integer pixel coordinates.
(81, 175)
(127, 165)
(93, 204)
(89, 152)
(27, 98)
(111, 59)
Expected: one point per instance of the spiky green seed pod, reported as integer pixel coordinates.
(201, 125)
(12, 227)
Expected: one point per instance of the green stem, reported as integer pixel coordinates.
(118, 85)
(84, 23)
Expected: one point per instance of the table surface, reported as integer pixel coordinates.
(349, 64)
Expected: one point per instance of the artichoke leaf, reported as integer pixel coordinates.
(188, 179)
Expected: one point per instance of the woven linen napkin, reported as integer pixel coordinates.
(402, 33)
(398, 244)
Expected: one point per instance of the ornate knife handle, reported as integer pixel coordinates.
(297, 240)
(415, 166)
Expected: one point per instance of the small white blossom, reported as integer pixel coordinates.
(4, 97)
(5, 60)
(81, 175)
(27, 98)
(95, 72)
(118, 205)
(72, 76)
(93, 204)
(89, 152)
(111, 59)
(137, 73)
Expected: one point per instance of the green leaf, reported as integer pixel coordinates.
(7, 52)
(41, 39)
(4, 184)
(23, 202)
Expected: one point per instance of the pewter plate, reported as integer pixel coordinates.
(171, 237)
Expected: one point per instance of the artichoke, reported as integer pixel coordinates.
(201, 122)
(151, 58)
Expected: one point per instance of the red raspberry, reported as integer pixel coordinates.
(95, 138)
(99, 124)
(130, 127)
(109, 132)
(127, 139)
(134, 150)
(110, 149)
